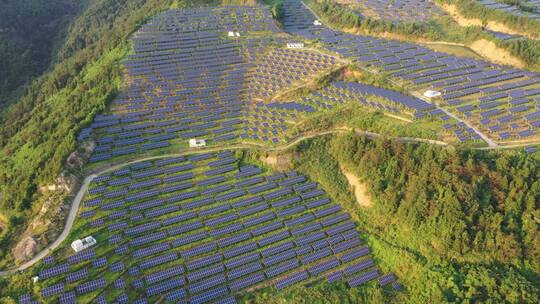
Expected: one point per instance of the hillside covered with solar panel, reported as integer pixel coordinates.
(278, 151)
(203, 228)
(234, 76)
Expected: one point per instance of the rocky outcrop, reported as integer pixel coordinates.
(80, 156)
(280, 162)
(25, 249)
(44, 227)
(65, 182)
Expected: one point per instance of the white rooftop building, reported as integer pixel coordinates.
(432, 94)
(295, 45)
(317, 22)
(196, 143)
(80, 245)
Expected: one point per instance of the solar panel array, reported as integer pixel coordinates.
(396, 11)
(281, 68)
(186, 80)
(532, 12)
(501, 101)
(374, 98)
(503, 36)
(214, 236)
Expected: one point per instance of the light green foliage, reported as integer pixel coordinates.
(353, 115)
(454, 225)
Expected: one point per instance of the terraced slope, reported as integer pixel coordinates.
(201, 228)
(396, 11)
(526, 8)
(498, 102)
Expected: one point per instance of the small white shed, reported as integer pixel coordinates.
(196, 143)
(432, 94)
(295, 45)
(80, 245)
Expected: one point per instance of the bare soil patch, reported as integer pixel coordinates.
(489, 50)
(359, 189)
(453, 11)
(280, 162)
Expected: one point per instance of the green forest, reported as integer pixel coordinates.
(30, 31)
(454, 225)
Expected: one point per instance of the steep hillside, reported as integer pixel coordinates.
(38, 131)
(29, 31)
(455, 226)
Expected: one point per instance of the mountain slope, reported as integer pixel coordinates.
(38, 131)
(29, 30)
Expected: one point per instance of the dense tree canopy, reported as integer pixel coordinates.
(29, 32)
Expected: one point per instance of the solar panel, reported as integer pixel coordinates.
(215, 293)
(77, 275)
(361, 279)
(52, 290)
(242, 260)
(165, 286)
(90, 286)
(207, 283)
(246, 281)
(53, 271)
(358, 267)
(160, 259)
(292, 279)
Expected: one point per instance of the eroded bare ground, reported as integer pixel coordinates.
(453, 11)
(359, 189)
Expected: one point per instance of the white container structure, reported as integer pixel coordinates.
(80, 245)
(196, 143)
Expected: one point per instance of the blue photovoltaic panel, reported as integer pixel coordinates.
(358, 267)
(239, 261)
(206, 284)
(77, 275)
(335, 276)
(53, 271)
(178, 294)
(324, 266)
(204, 261)
(165, 286)
(164, 274)
(196, 275)
(281, 268)
(90, 286)
(52, 290)
(246, 281)
(292, 279)
(205, 297)
(365, 277)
